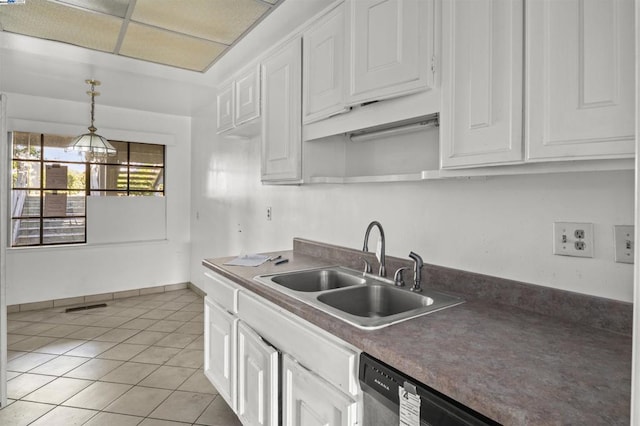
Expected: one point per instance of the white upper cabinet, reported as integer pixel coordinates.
(580, 85)
(257, 379)
(238, 103)
(247, 96)
(324, 66)
(391, 45)
(225, 108)
(282, 115)
(481, 118)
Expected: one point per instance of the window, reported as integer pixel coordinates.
(50, 184)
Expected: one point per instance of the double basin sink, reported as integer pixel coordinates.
(364, 301)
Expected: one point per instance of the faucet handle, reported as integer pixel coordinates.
(398, 279)
(367, 266)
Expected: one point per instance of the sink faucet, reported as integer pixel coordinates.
(383, 270)
(417, 274)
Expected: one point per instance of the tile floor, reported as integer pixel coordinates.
(138, 361)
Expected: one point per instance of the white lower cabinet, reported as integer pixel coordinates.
(246, 338)
(257, 379)
(219, 349)
(309, 400)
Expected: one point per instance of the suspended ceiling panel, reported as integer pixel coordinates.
(188, 34)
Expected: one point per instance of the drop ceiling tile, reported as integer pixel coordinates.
(165, 47)
(110, 7)
(217, 20)
(49, 20)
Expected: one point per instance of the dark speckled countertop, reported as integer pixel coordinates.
(512, 364)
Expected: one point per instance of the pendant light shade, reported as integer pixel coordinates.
(92, 142)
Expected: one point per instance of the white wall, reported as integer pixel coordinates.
(499, 226)
(45, 273)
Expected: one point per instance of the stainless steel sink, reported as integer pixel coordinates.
(317, 280)
(367, 302)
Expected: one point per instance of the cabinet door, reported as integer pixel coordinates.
(580, 83)
(257, 379)
(310, 401)
(225, 108)
(281, 121)
(481, 121)
(391, 48)
(323, 67)
(247, 96)
(219, 350)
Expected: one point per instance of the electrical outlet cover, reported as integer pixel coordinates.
(624, 242)
(573, 239)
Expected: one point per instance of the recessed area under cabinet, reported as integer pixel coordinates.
(408, 153)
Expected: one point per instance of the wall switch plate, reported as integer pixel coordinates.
(624, 241)
(269, 213)
(573, 239)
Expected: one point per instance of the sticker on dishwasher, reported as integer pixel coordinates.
(409, 408)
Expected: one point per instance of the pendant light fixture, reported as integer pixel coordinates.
(92, 143)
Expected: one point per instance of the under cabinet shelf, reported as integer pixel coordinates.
(399, 177)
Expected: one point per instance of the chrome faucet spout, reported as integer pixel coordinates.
(365, 247)
(417, 271)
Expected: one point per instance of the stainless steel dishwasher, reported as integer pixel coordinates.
(392, 398)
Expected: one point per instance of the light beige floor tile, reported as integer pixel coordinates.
(166, 326)
(138, 324)
(86, 320)
(150, 304)
(22, 413)
(13, 325)
(58, 390)
(199, 318)
(60, 365)
(91, 348)
(191, 328)
(62, 330)
(133, 312)
(174, 306)
(88, 332)
(60, 346)
(94, 369)
(114, 321)
(35, 328)
(146, 337)
(156, 422)
(65, 416)
(112, 419)
(182, 316)
(176, 340)
(218, 413)
(28, 361)
(192, 358)
(198, 382)
(138, 401)
(25, 384)
(194, 307)
(182, 407)
(129, 373)
(157, 314)
(168, 377)
(156, 355)
(116, 335)
(31, 343)
(13, 338)
(196, 344)
(97, 396)
(12, 374)
(123, 351)
(11, 355)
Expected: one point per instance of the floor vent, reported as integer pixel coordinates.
(84, 308)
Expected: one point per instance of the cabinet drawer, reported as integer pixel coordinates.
(309, 345)
(221, 290)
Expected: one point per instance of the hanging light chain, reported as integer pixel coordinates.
(93, 94)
